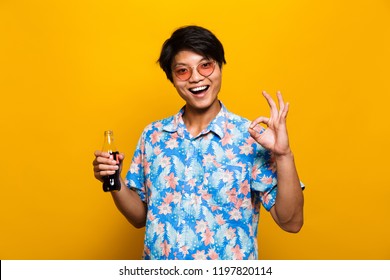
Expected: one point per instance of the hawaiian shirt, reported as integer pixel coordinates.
(203, 193)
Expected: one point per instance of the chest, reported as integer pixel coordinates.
(201, 171)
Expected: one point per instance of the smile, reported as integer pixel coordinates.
(198, 90)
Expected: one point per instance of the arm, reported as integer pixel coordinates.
(126, 200)
(288, 209)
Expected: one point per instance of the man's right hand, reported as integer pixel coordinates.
(104, 164)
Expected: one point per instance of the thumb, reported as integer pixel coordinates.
(121, 156)
(255, 134)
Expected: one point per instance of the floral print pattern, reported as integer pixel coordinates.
(203, 193)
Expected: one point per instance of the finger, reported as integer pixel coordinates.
(285, 111)
(272, 104)
(254, 134)
(101, 174)
(256, 131)
(97, 153)
(104, 161)
(281, 102)
(121, 156)
(105, 167)
(109, 160)
(261, 119)
(101, 154)
(104, 170)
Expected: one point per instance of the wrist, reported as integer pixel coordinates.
(285, 156)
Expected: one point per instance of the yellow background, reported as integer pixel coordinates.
(71, 69)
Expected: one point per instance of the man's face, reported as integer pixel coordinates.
(199, 92)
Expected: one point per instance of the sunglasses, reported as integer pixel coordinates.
(184, 73)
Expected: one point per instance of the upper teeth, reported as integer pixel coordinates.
(199, 88)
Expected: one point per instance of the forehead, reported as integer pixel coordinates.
(187, 58)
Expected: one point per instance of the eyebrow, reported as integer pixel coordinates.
(184, 64)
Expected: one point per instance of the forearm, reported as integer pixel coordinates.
(289, 199)
(130, 205)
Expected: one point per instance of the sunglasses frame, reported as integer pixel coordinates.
(191, 69)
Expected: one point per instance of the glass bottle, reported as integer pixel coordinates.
(111, 182)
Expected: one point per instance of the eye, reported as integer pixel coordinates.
(181, 71)
(206, 65)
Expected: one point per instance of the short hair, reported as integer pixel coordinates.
(192, 38)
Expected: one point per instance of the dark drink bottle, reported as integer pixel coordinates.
(111, 182)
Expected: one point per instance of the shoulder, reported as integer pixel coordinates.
(240, 123)
(157, 126)
(239, 127)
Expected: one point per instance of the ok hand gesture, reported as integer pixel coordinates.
(274, 137)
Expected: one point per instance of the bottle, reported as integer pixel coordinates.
(111, 182)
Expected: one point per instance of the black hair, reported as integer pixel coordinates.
(192, 38)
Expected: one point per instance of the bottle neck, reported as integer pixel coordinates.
(108, 145)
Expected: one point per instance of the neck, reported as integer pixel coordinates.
(198, 119)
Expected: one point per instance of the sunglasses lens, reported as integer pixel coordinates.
(183, 73)
(206, 68)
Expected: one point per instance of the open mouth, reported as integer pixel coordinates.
(199, 90)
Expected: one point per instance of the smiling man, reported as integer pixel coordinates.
(197, 179)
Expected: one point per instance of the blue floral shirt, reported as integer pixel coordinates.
(203, 193)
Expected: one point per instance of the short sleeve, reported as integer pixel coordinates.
(264, 177)
(135, 177)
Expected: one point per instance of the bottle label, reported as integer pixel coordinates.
(115, 156)
(112, 182)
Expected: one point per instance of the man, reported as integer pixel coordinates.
(197, 178)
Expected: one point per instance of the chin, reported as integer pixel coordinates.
(204, 105)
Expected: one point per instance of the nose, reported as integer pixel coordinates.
(195, 76)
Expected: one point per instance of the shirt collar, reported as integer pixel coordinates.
(218, 125)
